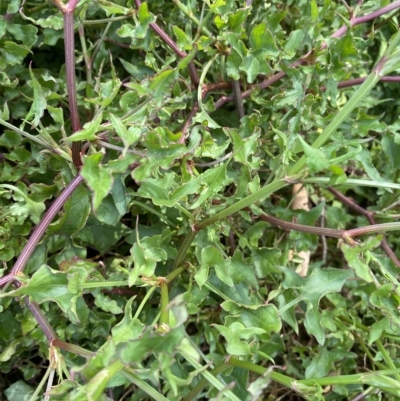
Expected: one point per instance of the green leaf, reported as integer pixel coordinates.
(291, 97)
(287, 314)
(19, 391)
(265, 317)
(101, 236)
(10, 350)
(89, 130)
(98, 178)
(356, 260)
(312, 289)
(294, 42)
(313, 11)
(258, 387)
(105, 303)
(203, 118)
(234, 335)
(12, 54)
(13, 6)
(119, 194)
(345, 48)
(47, 284)
(243, 148)
(386, 300)
(137, 72)
(34, 209)
(162, 81)
(233, 64)
(128, 328)
(27, 34)
(239, 271)
(262, 39)
(9, 327)
(128, 136)
(146, 254)
(211, 257)
(316, 160)
(254, 65)
(76, 213)
(213, 180)
(323, 362)
(364, 158)
(134, 351)
(379, 327)
(145, 18)
(310, 217)
(182, 39)
(112, 8)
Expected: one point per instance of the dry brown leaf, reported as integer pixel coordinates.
(300, 201)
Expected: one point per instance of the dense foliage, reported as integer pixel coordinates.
(155, 155)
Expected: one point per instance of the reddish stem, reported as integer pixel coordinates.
(71, 5)
(287, 225)
(365, 18)
(168, 41)
(69, 44)
(43, 323)
(369, 215)
(40, 230)
(359, 81)
(340, 32)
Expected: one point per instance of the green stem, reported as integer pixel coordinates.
(386, 357)
(35, 395)
(164, 317)
(96, 386)
(322, 381)
(350, 182)
(347, 379)
(217, 291)
(202, 24)
(153, 211)
(175, 273)
(86, 56)
(364, 347)
(203, 382)
(137, 381)
(180, 258)
(101, 40)
(278, 377)
(105, 20)
(184, 211)
(127, 372)
(207, 375)
(245, 202)
(104, 284)
(373, 229)
(202, 78)
(191, 16)
(36, 139)
(144, 300)
(361, 93)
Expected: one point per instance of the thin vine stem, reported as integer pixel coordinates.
(69, 44)
(340, 32)
(169, 42)
(369, 215)
(40, 230)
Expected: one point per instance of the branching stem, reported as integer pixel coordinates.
(40, 230)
